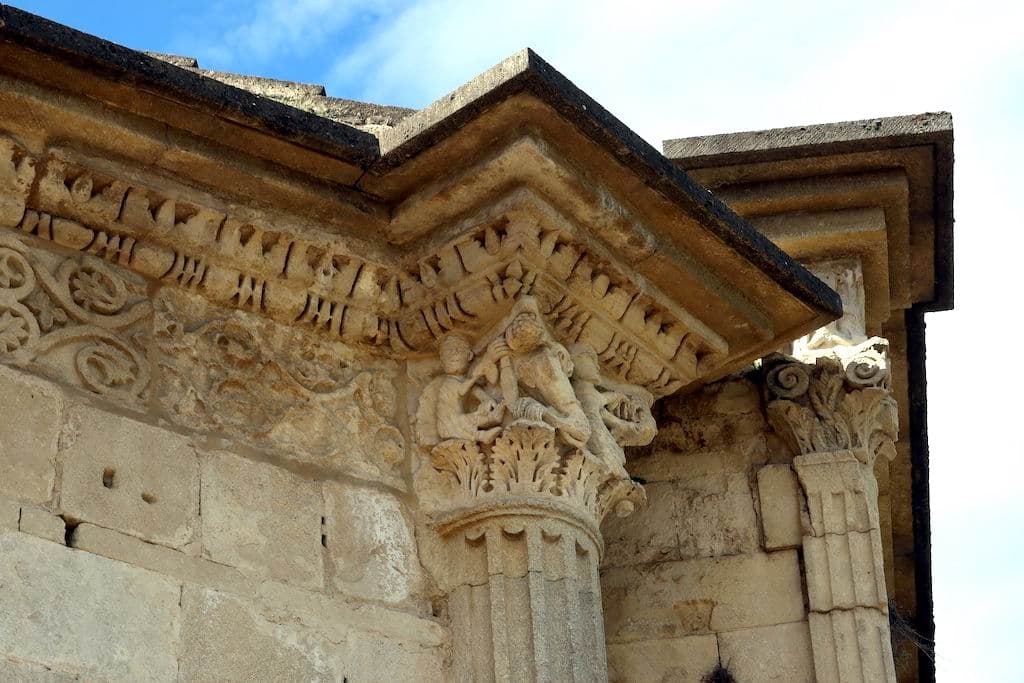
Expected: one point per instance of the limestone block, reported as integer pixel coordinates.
(680, 660)
(647, 535)
(735, 397)
(125, 475)
(227, 638)
(336, 618)
(769, 653)
(262, 519)
(10, 514)
(779, 494)
(82, 613)
(845, 571)
(159, 559)
(28, 436)
(25, 672)
(224, 639)
(672, 599)
(41, 523)
(316, 401)
(671, 462)
(706, 516)
(715, 516)
(371, 544)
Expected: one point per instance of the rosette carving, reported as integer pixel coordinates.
(49, 304)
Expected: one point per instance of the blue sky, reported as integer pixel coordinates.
(688, 68)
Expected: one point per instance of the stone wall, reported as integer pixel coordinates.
(710, 571)
(193, 493)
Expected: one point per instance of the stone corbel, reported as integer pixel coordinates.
(528, 438)
(833, 405)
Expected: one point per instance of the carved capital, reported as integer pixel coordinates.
(841, 402)
(518, 419)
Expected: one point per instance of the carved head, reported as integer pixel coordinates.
(524, 333)
(586, 365)
(455, 354)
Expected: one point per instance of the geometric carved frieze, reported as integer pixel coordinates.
(401, 308)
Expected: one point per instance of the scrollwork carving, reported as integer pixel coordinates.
(48, 304)
(842, 402)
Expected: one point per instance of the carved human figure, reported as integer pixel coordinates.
(459, 381)
(534, 378)
(619, 415)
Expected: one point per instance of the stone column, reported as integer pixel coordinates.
(833, 405)
(529, 442)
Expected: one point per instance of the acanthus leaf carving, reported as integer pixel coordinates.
(841, 402)
(532, 420)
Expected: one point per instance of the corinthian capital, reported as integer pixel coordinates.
(841, 402)
(516, 418)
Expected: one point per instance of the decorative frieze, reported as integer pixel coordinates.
(319, 402)
(75, 318)
(400, 308)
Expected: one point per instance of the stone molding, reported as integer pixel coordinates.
(323, 286)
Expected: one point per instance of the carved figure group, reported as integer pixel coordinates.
(524, 376)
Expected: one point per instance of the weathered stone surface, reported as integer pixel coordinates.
(370, 543)
(262, 519)
(24, 672)
(223, 639)
(10, 514)
(159, 559)
(316, 401)
(125, 475)
(82, 613)
(335, 618)
(675, 660)
(674, 599)
(769, 653)
(779, 495)
(41, 523)
(28, 436)
(854, 640)
(226, 638)
(647, 535)
(706, 516)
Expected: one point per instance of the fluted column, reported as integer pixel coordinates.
(527, 446)
(832, 403)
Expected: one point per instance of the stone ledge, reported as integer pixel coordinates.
(41, 523)
(275, 600)
(84, 613)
